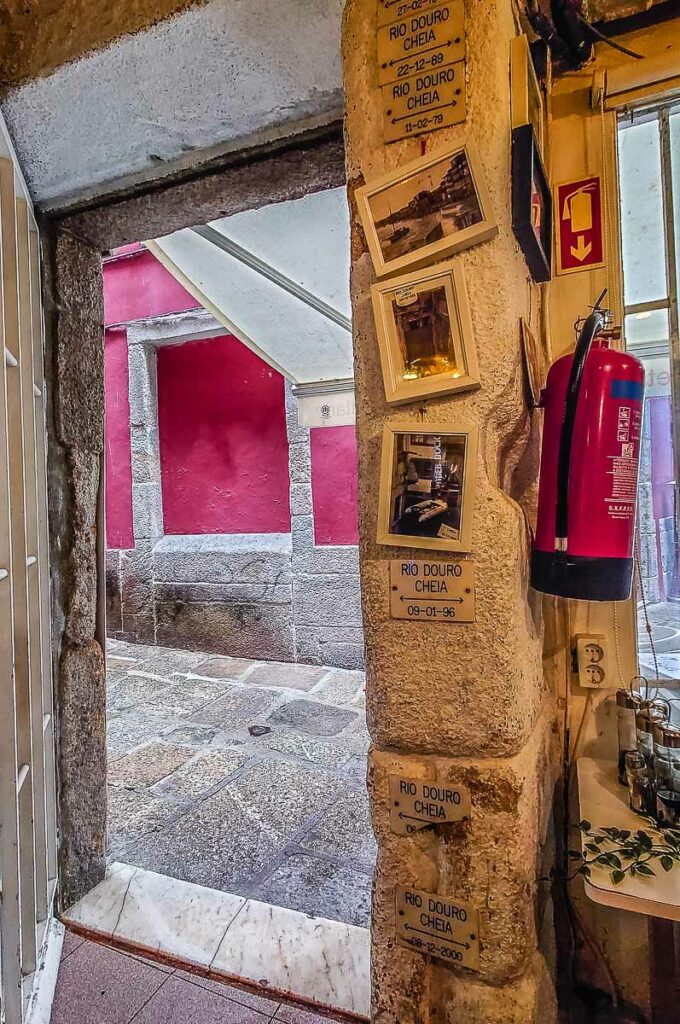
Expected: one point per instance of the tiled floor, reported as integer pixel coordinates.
(243, 776)
(99, 985)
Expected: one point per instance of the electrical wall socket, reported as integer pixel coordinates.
(591, 662)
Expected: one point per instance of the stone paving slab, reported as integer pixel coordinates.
(295, 677)
(148, 765)
(344, 832)
(321, 888)
(221, 776)
(223, 668)
(131, 815)
(199, 775)
(314, 718)
(237, 708)
(232, 837)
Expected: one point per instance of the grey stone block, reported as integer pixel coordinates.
(147, 511)
(321, 888)
(327, 600)
(132, 814)
(301, 499)
(232, 593)
(114, 614)
(237, 630)
(257, 558)
(300, 464)
(310, 559)
(136, 571)
(343, 648)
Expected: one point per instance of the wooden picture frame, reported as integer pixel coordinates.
(430, 208)
(531, 204)
(425, 334)
(427, 486)
(526, 98)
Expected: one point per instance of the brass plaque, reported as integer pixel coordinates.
(417, 803)
(431, 924)
(421, 40)
(392, 10)
(429, 591)
(423, 103)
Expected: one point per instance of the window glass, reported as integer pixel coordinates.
(647, 332)
(642, 233)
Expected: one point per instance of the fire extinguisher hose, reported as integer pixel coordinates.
(594, 323)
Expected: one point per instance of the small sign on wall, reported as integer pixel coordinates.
(579, 225)
(421, 65)
(428, 591)
(437, 926)
(416, 804)
(328, 410)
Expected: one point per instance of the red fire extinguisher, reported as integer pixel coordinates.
(589, 470)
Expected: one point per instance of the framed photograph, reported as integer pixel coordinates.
(531, 203)
(526, 98)
(428, 209)
(425, 334)
(427, 486)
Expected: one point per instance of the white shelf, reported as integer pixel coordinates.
(604, 803)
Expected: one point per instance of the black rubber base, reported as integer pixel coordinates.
(584, 579)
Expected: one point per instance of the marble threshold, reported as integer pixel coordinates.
(268, 948)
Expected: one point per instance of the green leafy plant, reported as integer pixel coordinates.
(626, 852)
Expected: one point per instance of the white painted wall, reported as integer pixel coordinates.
(220, 76)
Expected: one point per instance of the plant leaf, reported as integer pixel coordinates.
(644, 840)
(617, 876)
(592, 848)
(666, 862)
(644, 869)
(575, 854)
(585, 825)
(585, 870)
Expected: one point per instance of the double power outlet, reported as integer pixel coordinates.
(590, 660)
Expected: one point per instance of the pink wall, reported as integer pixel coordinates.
(334, 485)
(119, 532)
(223, 442)
(137, 285)
(224, 450)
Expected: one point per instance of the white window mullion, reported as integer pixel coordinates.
(33, 582)
(19, 571)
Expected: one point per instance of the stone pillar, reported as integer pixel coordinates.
(137, 564)
(75, 379)
(326, 590)
(461, 703)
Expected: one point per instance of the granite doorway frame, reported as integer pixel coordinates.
(75, 240)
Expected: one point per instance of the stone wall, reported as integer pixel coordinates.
(461, 703)
(270, 596)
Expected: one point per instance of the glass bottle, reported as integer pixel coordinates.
(640, 789)
(626, 703)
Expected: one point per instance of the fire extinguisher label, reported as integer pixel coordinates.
(623, 462)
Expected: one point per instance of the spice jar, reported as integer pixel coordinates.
(666, 739)
(640, 786)
(626, 703)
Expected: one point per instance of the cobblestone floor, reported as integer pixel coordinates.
(241, 775)
(98, 985)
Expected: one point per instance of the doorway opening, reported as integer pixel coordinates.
(236, 739)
